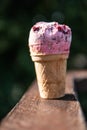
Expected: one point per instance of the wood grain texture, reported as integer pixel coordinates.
(34, 113)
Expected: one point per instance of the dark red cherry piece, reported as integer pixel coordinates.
(60, 28)
(36, 28)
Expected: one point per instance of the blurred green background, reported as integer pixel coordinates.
(16, 19)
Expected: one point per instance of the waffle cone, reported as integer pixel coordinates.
(51, 74)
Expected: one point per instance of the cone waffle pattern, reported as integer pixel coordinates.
(51, 78)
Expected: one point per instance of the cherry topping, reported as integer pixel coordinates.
(60, 28)
(55, 24)
(64, 26)
(36, 28)
(68, 31)
(66, 49)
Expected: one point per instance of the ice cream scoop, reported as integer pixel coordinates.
(49, 45)
(49, 38)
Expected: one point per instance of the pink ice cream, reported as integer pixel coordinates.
(49, 38)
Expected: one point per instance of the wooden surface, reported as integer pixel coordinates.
(34, 113)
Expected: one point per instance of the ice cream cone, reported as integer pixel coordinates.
(49, 50)
(51, 75)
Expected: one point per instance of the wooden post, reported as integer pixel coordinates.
(34, 113)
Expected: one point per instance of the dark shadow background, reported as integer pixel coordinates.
(16, 19)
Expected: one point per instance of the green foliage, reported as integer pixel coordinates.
(16, 19)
